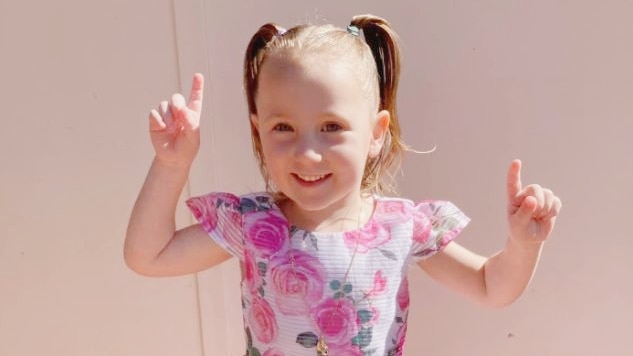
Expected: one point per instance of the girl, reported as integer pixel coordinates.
(323, 253)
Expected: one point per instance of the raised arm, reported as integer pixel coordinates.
(153, 247)
(500, 279)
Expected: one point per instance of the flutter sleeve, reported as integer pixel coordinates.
(435, 224)
(220, 216)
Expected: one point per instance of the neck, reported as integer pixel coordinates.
(343, 217)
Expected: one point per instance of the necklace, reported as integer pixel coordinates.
(322, 348)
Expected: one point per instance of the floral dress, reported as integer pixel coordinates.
(298, 286)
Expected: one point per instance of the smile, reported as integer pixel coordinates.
(311, 178)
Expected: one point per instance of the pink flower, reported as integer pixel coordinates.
(421, 227)
(298, 281)
(262, 320)
(205, 209)
(336, 320)
(380, 284)
(346, 350)
(371, 236)
(391, 212)
(273, 352)
(267, 232)
(251, 271)
(403, 295)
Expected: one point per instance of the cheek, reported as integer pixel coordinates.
(350, 154)
(274, 150)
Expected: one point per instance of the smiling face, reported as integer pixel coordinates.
(317, 128)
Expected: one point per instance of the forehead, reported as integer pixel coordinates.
(324, 79)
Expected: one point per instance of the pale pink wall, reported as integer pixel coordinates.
(546, 81)
(76, 81)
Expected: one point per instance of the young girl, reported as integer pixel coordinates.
(323, 253)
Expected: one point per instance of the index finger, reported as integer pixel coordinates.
(197, 89)
(514, 179)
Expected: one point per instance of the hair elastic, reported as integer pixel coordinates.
(353, 30)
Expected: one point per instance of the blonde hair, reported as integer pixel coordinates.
(377, 54)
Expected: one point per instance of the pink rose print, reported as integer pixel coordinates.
(421, 227)
(267, 232)
(391, 212)
(380, 284)
(336, 320)
(262, 320)
(371, 236)
(346, 350)
(273, 352)
(403, 295)
(205, 209)
(251, 272)
(298, 281)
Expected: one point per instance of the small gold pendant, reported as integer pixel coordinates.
(321, 347)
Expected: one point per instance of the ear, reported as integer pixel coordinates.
(255, 122)
(379, 133)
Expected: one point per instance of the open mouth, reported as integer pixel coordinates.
(311, 179)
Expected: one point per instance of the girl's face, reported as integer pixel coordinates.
(317, 127)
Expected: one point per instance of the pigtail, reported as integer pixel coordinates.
(253, 60)
(384, 45)
(254, 57)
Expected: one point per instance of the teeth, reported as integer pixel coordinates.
(311, 178)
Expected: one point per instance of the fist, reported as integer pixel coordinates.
(532, 209)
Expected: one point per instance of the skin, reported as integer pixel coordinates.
(323, 127)
(317, 139)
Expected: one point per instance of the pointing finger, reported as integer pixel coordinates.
(514, 179)
(197, 91)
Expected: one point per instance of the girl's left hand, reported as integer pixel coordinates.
(532, 209)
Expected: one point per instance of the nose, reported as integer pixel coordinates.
(307, 149)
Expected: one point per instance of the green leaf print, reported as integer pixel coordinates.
(262, 268)
(363, 339)
(347, 288)
(365, 315)
(247, 205)
(307, 339)
(335, 284)
(249, 338)
(390, 255)
(254, 352)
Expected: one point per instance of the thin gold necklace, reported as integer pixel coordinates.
(322, 348)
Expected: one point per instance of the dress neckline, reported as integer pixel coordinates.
(293, 228)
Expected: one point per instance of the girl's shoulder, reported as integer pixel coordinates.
(243, 203)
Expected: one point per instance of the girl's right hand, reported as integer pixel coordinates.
(174, 126)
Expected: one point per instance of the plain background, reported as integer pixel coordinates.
(550, 82)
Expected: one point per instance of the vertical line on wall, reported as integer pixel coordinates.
(187, 187)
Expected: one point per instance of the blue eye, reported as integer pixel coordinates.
(332, 127)
(282, 127)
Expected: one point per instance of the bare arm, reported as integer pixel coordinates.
(495, 281)
(500, 279)
(152, 246)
